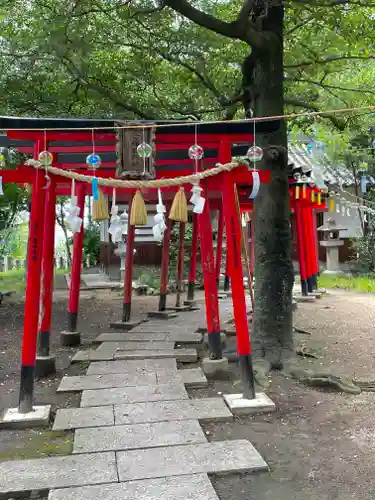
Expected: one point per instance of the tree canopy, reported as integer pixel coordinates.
(147, 59)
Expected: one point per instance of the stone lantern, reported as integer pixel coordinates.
(331, 241)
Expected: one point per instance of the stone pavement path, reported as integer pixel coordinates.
(137, 433)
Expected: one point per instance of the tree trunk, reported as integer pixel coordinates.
(272, 338)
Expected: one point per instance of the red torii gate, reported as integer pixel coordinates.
(219, 189)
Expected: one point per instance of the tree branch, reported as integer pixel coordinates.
(328, 60)
(244, 13)
(234, 29)
(333, 87)
(340, 124)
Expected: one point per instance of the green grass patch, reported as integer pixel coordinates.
(15, 279)
(40, 444)
(364, 283)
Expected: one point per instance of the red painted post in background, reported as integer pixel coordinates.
(32, 299)
(309, 250)
(210, 285)
(252, 246)
(233, 228)
(219, 244)
(164, 266)
(226, 277)
(300, 246)
(128, 274)
(193, 260)
(45, 364)
(180, 264)
(75, 277)
(316, 246)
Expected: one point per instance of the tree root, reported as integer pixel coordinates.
(262, 369)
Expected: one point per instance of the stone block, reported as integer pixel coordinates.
(190, 487)
(85, 382)
(241, 406)
(122, 395)
(132, 437)
(204, 410)
(38, 417)
(124, 326)
(132, 366)
(162, 314)
(70, 339)
(45, 366)
(57, 472)
(215, 368)
(219, 457)
(304, 298)
(75, 418)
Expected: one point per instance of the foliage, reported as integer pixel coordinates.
(134, 59)
(12, 204)
(91, 244)
(173, 251)
(362, 283)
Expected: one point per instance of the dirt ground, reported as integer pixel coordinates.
(318, 444)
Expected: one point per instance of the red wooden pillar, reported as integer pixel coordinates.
(300, 246)
(308, 243)
(193, 260)
(32, 299)
(180, 264)
(164, 266)
(219, 244)
(45, 364)
(128, 274)
(75, 276)
(252, 246)
(210, 285)
(226, 277)
(233, 227)
(316, 247)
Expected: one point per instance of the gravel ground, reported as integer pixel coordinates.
(318, 444)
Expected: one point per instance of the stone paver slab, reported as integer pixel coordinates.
(84, 382)
(74, 418)
(192, 378)
(151, 336)
(130, 336)
(192, 487)
(136, 346)
(218, 457)
(182, 355)
(132, 437)
(91, 355)
(122, 395)
(57, 472)
(205, 410)
(147, 365)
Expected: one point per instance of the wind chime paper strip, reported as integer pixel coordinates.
(256, 185)
(129, 163)
(363, 184)
(1, 186)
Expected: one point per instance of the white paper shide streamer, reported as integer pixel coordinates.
(116, 226)
(73, 218)
(159, 219)
(197, 199)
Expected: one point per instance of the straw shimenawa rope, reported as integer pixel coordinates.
(159, 183)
